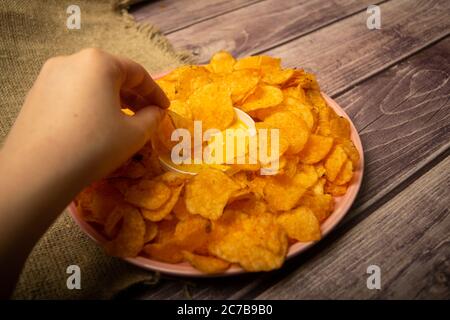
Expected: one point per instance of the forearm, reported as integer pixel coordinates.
(33, 192)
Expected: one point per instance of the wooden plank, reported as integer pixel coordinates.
(172, 15)
(261, 26)
(404, 118)
(346, 53)
(408, 238)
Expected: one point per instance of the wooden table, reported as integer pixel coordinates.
(394, 84)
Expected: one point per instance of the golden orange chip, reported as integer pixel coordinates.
(345, 175)
(174, 179)
(334, 162)
(292, 128)
(212, 105)
(206, 264)
(191, 79)
(278, 77)
(241, 83)
(192, 233)
(263, 97)
(167, 252)
(130, 238)
(316, 99)
(208, 192)
(300, 224)
(318, 187)
(97, 201)
(181, 108)
(295, 92)
(148, 194)
(222, 62)
(350, 150)
(111, 227)
(306, 175)
(180, 209)
(165, 209)
(283, 193)
(335, 190)
(340, 127)
(300, 109)
(258, 62)
(316, 149)
(166, 230)
(151, 230)
(256, 242)
(322, 205)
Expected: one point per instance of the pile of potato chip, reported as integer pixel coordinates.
(218, 218)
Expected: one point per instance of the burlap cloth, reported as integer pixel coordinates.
(31, 32)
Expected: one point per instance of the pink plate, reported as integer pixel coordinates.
(342, 205)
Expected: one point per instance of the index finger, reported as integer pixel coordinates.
(135, 79)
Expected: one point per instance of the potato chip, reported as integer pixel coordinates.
(334, 162)
(300, 224)
(306, 175)
(283, 193)
(318, 187)
(292, 128)
(208, 192)
(222, 62)
(165, 209)
(295, 92)
(212, 105)
(340, 128)
(263, 97)
(258, 62)
(256, 242)
(316, 149)
(166, 230)
(278, 77)
(192, 233)
(111, 226)
(191, 79)
(350, 150)
(148, 194)
(151, 230)
(316, 99)
(242, 83)
(206, 264)
(345, 175)
(130, 238)
(167, 252)
(180, 209)
(181, 108)
(98, 201)
(174, 179)
(335, 190)
(322, 205)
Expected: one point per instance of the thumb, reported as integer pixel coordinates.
(147, 120)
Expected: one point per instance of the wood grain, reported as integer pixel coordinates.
(403, 115)
(408, 238)
(346, 53)
(261, 26)
(171, 15)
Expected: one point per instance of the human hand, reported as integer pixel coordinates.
(72, 120)
(70, 131)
